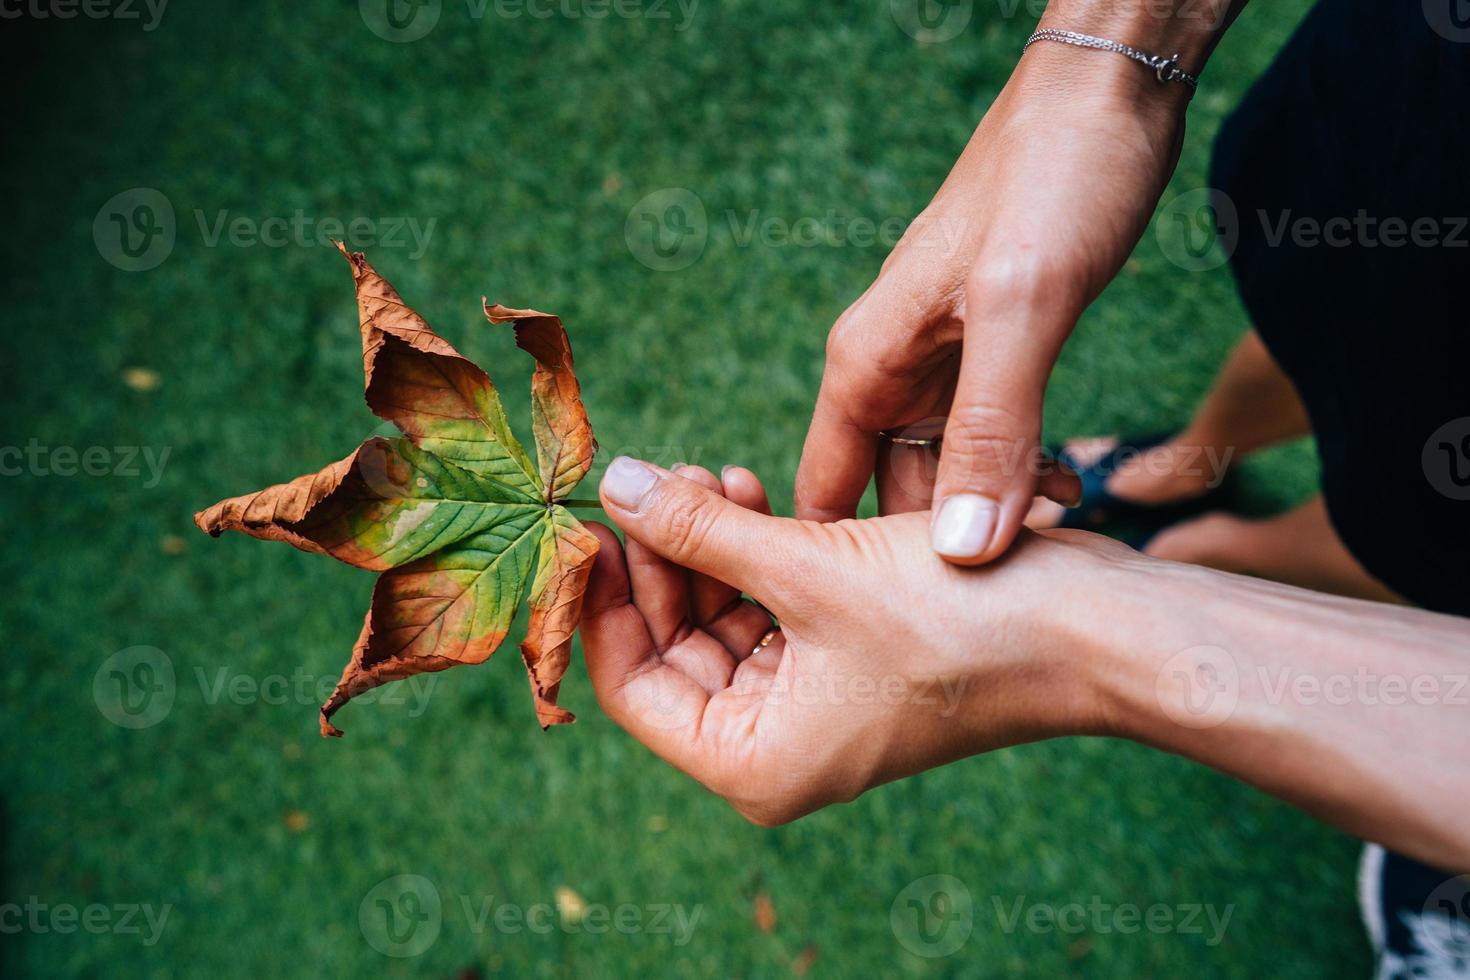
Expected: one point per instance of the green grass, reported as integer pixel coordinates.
(527, 141)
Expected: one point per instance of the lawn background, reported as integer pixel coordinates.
(528, 141)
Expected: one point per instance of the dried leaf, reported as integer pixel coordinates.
(564, 443)
(440, 400)
(455, 516)
(567, 550)
(387, 504)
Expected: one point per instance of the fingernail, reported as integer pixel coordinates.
(964, 525)
(678, 466)
(627, 482)
(725, 470)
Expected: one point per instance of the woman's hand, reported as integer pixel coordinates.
(888, 660)
(962, 326)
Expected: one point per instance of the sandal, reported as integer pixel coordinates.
(1103, 511)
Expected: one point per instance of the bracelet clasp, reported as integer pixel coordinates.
(1166, 69)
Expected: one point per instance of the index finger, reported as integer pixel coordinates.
(656, 702)
(905, 476)
(836, 464)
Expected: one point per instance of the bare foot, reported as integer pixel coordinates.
(1167, 473)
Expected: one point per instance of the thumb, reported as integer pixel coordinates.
(701, 530)
(991, 465)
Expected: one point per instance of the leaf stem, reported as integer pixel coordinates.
(581, 502)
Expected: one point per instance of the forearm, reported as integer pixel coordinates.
(1355, 711)
(1061, 176)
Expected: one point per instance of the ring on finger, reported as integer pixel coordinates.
(906, 441)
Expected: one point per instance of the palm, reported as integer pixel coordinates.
(691, 672)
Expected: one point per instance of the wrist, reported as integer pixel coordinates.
(1050, 594)
(1111, 624)
(1190, 28)
(1186, 30)
(1159, 645)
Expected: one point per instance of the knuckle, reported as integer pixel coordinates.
(843, 339)
(685, 522)
(1020, 279)
(975, 423)
(986, 441)
(1008, 274)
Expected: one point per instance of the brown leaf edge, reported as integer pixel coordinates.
(357, 680)
(383, 313)
(267, 514)
(556, 610)
(565, 444)
(305, 512)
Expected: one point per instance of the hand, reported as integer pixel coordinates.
(887, 661)
(962, 326)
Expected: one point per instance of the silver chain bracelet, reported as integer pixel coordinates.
(1165, 69)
